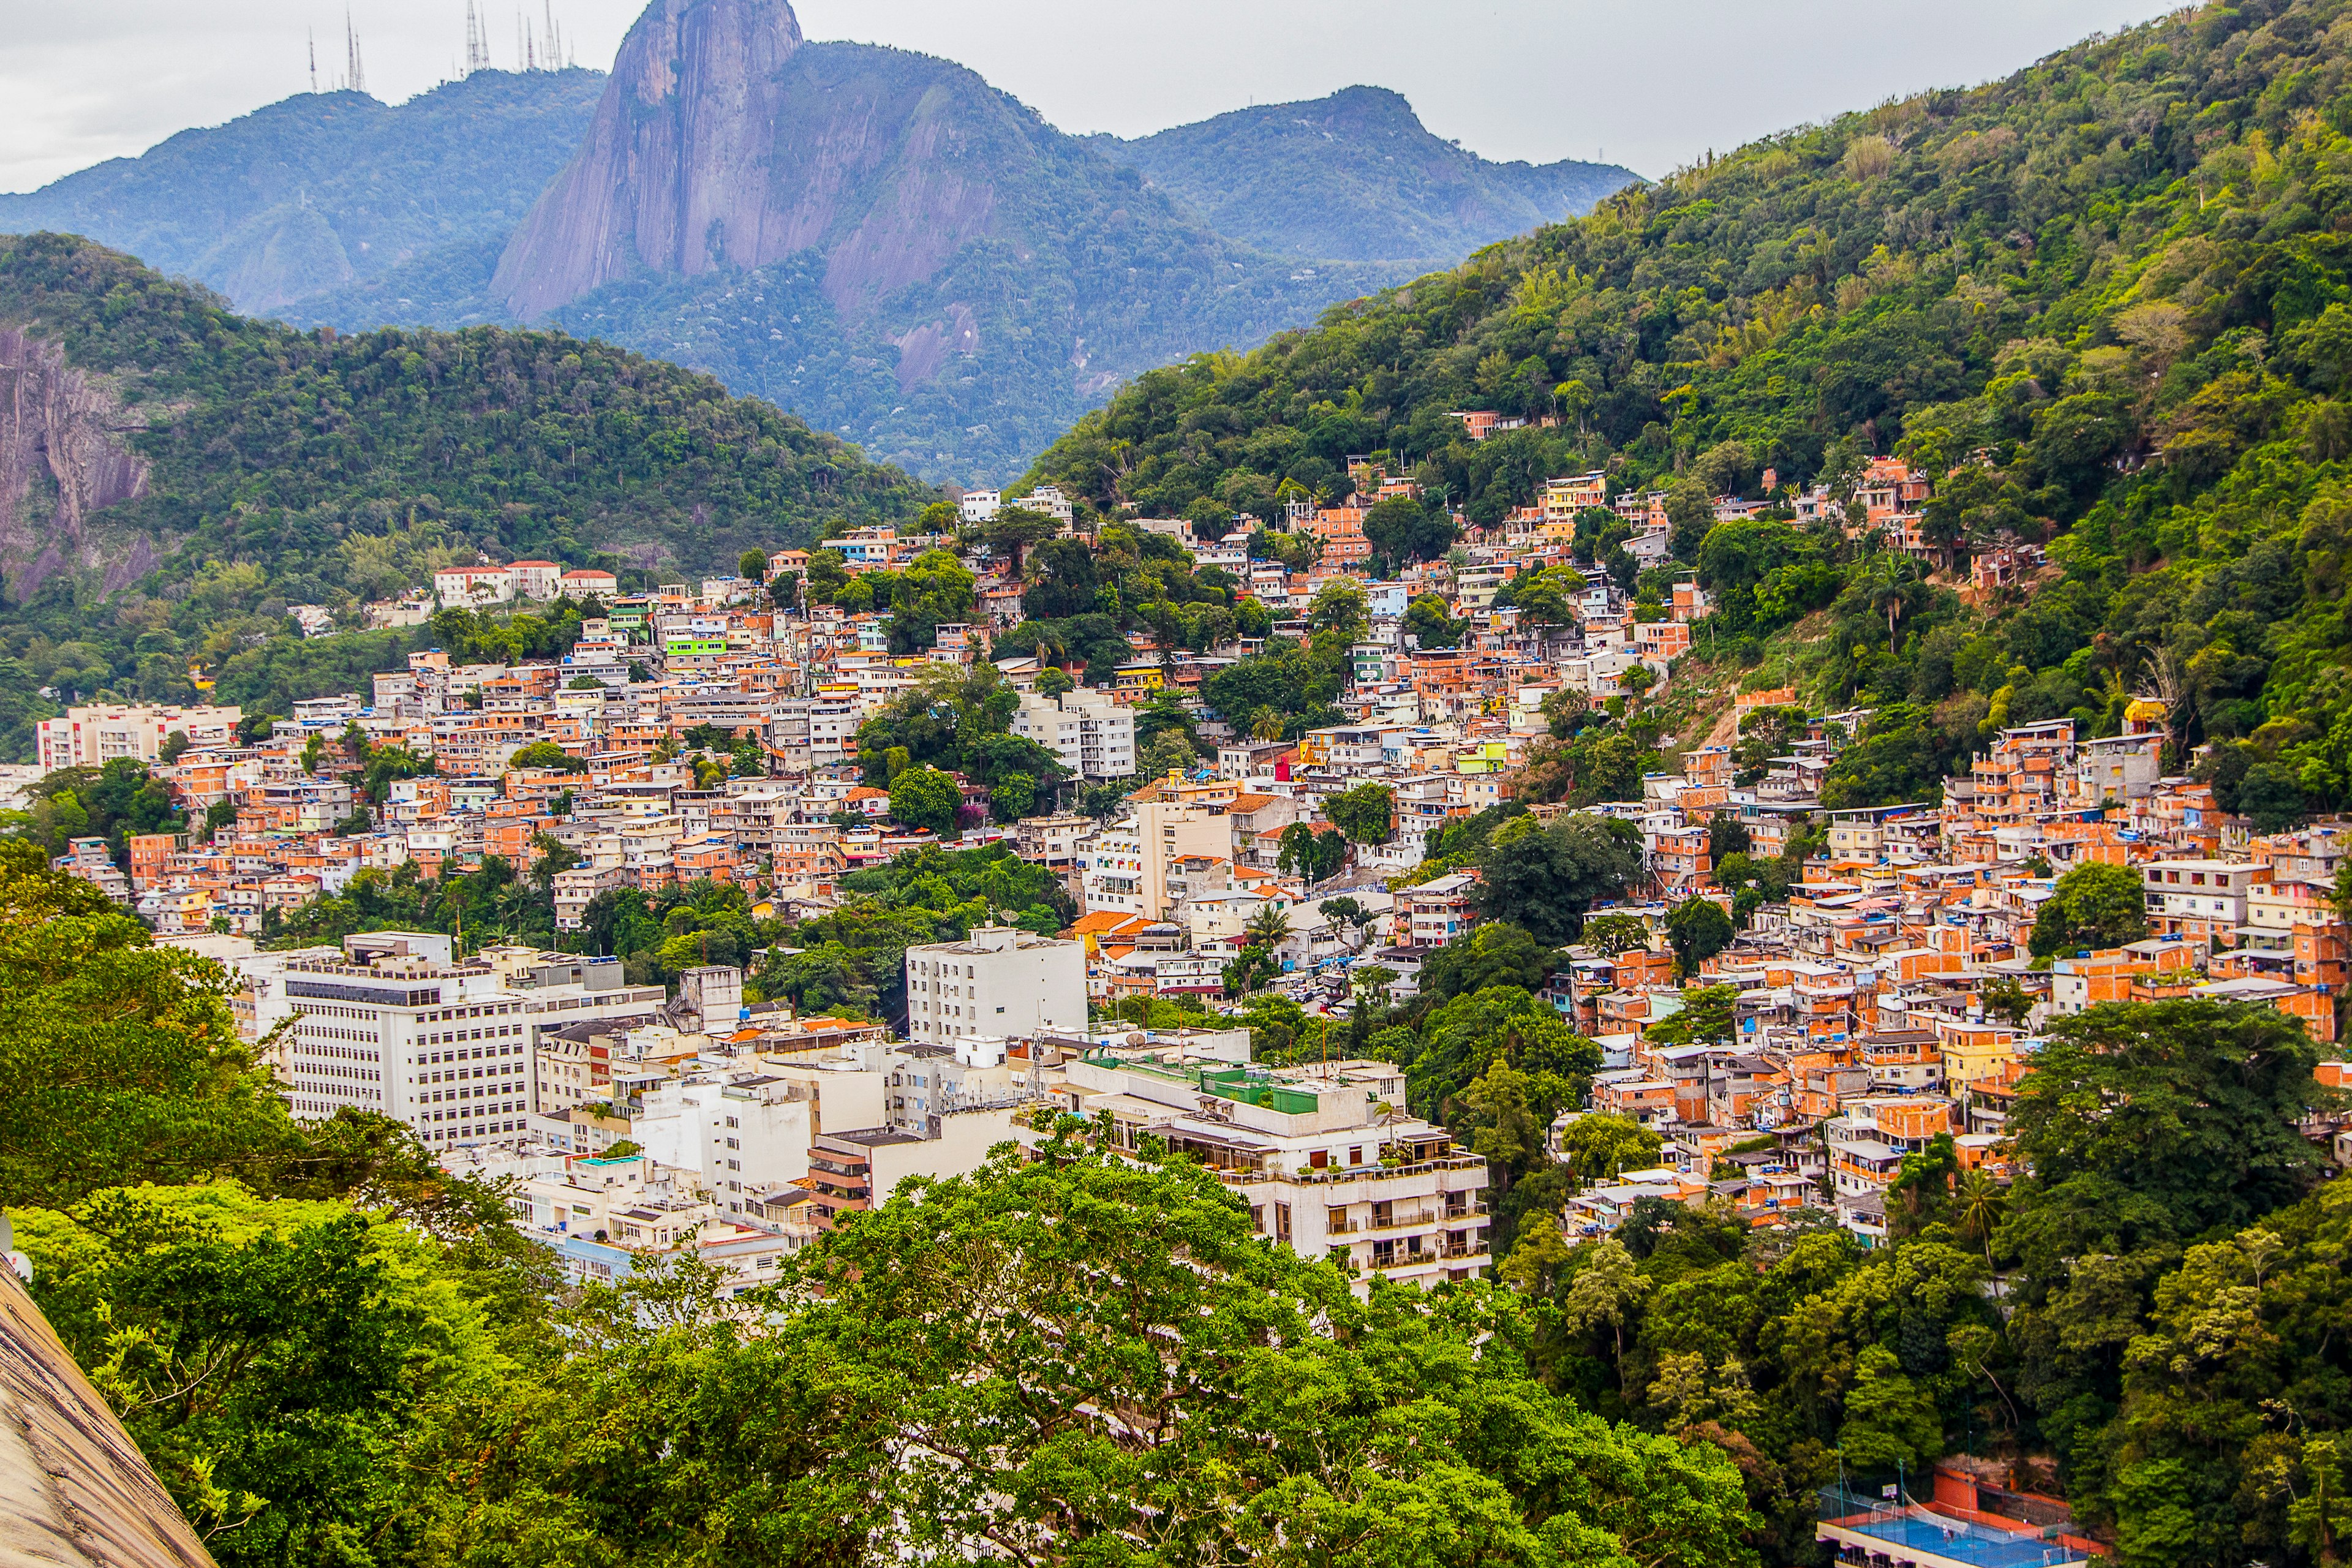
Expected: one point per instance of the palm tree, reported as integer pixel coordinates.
(1267, 725)
(1890, 590)
(1269, 929)
(1977, 1201)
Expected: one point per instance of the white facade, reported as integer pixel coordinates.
(1049, 499)
(94, 735)
(1092, 734)
(2212, 891)
(749, 1133)
(393, 1025)
(474, 585)
(1111, 870)
(999, 981)
(979, 506)
(1324, 1170)
(537, 578)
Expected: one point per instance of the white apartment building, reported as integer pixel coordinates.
(979, 506)
(393, 1024)
(999, 981)
(1049, 499)
(537, 578)
(1109, 863)
(1327, 1164)
(745, 1132)
(93, 735)
(474, 585)
(1092, 734)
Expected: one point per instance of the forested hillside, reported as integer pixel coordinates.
(331, 191)
(274, 468)
(1355, 176)
(2103, 301)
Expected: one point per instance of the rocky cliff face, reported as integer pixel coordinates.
(677, 174)
(63, 458)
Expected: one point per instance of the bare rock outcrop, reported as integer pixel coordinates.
(674, 176)
(63, 458)
(722, 142)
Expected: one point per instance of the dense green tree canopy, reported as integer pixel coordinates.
(2093, 906)
(1545, 879)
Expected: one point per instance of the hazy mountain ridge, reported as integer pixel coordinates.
(875, 240)
(325, 191)
(1355, 176)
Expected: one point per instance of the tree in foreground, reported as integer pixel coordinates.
(1080, 1360)
(120, 1061)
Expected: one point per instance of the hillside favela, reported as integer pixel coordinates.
(808, 824)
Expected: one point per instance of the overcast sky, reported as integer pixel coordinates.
(1653, 82)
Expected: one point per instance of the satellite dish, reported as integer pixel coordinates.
(1137, 1038)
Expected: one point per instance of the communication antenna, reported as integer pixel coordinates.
(356, 80)
(477, 41)
(530, 51)
(314, 59)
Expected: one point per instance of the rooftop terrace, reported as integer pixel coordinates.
(1868, 1531)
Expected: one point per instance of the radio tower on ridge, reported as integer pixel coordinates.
(314, 60)
(357, 80)
(478, 42)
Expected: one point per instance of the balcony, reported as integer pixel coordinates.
(1352, 1173)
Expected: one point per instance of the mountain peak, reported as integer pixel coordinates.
(662, 182)
(1355, 176)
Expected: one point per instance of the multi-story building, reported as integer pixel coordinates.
(1327, 1164)
(471, 586)
(393, 1024)
(1435, 912)
(92, 735)
(1090, 731)
(999, 981)
(2200, 898)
